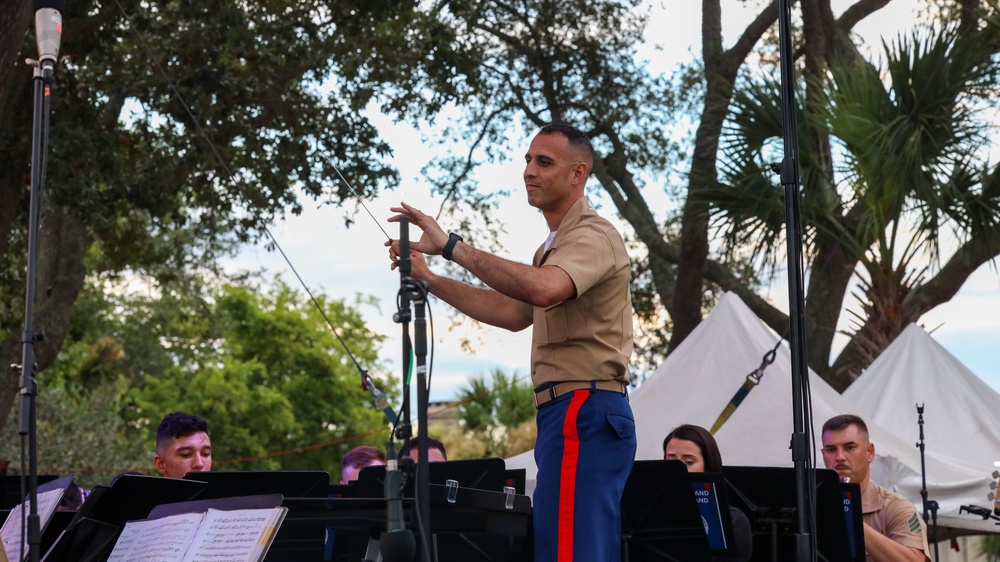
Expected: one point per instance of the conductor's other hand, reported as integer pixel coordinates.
(433, 237)
(418, 265)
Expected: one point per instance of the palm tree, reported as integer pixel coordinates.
(490, 409)
(904, 171)
(989, 547)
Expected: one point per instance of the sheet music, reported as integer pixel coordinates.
(12, 530)
(239, 535)
(158, 540)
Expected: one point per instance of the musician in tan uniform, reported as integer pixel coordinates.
(894, 531)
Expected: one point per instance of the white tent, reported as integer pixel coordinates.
(961, 412)
(700, 377)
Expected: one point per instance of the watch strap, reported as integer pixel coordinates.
(450, 245)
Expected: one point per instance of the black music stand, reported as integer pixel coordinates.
(340, 490)
(767, 496)
(660, 518)
(292, 541)
(480, 474)
(10, 489)
(480, 525)
(133, 496)
(52, 527)
(288, 483)
(517, 478)
(87, 540)
(488, 474)
(262, 501)
(94, 540)
(59, 523)
(92, 532)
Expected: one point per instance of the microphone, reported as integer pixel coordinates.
(48, 29)
(382, 402)
(396, 544)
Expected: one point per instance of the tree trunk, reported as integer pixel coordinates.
(923, 298)
(721, 68)
(833, 265)
(60, 276)
(15, 19)
(15, 78)
(832, 271)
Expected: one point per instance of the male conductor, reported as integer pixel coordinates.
(575, 295)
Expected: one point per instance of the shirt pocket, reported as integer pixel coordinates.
(551, 325)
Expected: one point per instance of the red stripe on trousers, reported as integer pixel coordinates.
(567, 478)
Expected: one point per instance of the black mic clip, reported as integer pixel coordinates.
(404, 316)
(404, 431)
(406, 466)
(983, 512)
(415, 291)
(417, 287)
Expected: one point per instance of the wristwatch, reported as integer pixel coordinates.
(450, 245)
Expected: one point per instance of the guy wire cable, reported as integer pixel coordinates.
(366, 379)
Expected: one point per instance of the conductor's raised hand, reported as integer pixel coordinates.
(433, 237)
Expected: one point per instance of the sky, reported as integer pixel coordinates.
(347, 262)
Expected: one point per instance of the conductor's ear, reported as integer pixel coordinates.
(580, 172)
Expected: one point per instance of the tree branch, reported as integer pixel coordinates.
(943, 286)
(859, 11)
(751, 35)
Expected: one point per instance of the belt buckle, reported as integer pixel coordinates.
(551, 391)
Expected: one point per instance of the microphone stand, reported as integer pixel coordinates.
(805, 539)
(27, 427)
(930, 506)
(415, 291)
(423, 489)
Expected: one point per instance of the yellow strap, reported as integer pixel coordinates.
(751, 381)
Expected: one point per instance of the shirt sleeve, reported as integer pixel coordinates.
(905, 525)
(586, 255)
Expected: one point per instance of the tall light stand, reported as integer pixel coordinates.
(802, 458)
